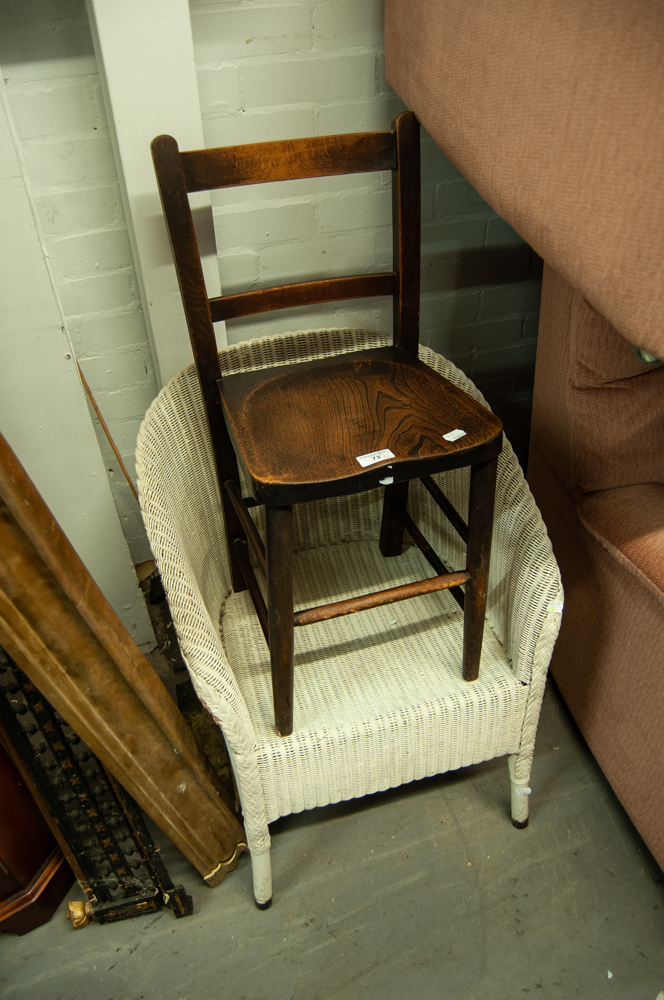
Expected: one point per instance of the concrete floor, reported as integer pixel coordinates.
(423, 892)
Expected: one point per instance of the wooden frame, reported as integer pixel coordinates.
(56, 624)
(228, 399)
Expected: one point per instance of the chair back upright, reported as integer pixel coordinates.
(182, 173)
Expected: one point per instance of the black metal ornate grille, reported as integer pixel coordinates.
(116, 861)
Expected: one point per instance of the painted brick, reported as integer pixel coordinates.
(114, 371)
(258, 126)
(219, 91)
(434, 162)
(357, 210)
(511, 360)
(367, 114)
(123, 404)
(58, 108)
(474, 337)
(79, 211)
(457, 235)
(98, 294)
(88, 254)
(250, 31)
(370, 314)
(348, 24)
(251, 227)
(238, 271)
(455, 307)
(531, 326)
(30, 11)
(95, 334)
(383, 250)
(507, 300)
(300, 81)
(316, 259)
(69, 162)
(500, 233)
(47, 49)
(456, 196)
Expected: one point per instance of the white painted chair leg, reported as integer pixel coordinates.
(261, 869)
(520, 792)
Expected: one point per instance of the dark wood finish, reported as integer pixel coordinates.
(423, 545)
(299, 428)
(447, 508)
(34, 875)
(406, 214)
(380, 598)
(279, 530)
(478, 557)
(288, 160)
(35, 904)
(56, 624)
(391, 525)
(249, 527)
(255, 593)
(182, 235)
(361, 286)
(102, 827)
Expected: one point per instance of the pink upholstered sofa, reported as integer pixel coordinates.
(555, 112)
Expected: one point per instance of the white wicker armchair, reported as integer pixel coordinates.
(379, 696)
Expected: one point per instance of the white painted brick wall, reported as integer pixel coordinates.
(271, 70)
(53, 87)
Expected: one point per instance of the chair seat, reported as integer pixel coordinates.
(379, 697)
(299, 429)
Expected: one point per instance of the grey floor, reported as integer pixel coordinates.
(423, 892)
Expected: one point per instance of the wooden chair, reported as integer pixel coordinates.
(338, 425)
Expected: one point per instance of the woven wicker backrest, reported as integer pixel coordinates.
(182, 513)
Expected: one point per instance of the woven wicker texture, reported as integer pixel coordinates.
(379, 698)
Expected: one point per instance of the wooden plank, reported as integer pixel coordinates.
(181, 231)
(443, 582)
(303, 293)
(447, 508)
(56, 624)
(279, 524)
(248, 525)
(478, 558)
(406, 215)
(291, 159)
(240, 546)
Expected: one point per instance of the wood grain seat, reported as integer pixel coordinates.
(300, 429)
(323, 414)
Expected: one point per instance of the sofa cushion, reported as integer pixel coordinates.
(616, 407)
(629, 523)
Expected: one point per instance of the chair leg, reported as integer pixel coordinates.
(520, 792)
(261, 870)
(279, 547)
(391, 526)
(478, 556)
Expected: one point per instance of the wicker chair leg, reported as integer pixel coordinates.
(261, 869)
(520, 792)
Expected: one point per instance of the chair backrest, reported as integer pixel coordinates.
(180, 174)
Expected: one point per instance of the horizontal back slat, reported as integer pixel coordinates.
(292, 159)
(304, 293)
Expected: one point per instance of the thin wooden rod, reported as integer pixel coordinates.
(419, 539)
(242, 552)
(360, 286)
(104, 427)
(443, 582)
(425, 548)
(288, 159)
(448, 510)
(250, 528)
